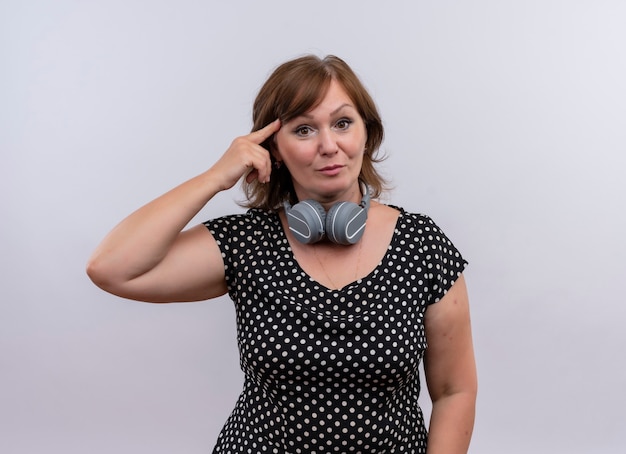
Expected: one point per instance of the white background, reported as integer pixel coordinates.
(505, 121)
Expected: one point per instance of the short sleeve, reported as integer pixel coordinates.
(243, 242)
(442, 261)
(227, 231)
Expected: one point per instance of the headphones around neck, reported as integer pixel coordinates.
(343, 224)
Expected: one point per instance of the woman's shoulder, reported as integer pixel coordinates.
(252, 218)
(404, 224)
(419, 226)
(408, 216)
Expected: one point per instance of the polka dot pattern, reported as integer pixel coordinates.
(330, 371)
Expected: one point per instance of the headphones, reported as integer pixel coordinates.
(343, 224)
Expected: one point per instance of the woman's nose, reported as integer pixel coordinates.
(327, 142)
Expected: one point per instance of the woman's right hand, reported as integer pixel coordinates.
(246, 156)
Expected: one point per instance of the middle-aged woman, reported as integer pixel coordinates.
(338, 297)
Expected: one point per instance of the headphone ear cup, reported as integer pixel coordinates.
(306, 221)
(345, 223)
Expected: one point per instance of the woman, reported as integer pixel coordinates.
(334, 314)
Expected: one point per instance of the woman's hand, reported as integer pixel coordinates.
(246, 156)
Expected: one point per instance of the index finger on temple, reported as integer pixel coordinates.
(260, 135)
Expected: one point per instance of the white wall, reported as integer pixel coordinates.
(506, 122)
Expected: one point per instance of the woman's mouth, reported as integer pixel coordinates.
(331, 169)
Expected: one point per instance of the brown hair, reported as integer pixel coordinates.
(294, 88)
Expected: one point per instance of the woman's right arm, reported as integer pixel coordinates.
(148, 256)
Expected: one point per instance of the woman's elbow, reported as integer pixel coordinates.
(102, 275)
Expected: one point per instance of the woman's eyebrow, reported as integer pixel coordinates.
(334, 112)
(341, 107)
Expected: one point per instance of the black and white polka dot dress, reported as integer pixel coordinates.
(330, 370)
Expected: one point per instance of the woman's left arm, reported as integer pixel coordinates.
(450, 372)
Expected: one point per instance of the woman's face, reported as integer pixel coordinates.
(323, 149)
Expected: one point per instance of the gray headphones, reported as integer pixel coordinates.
(343, 224)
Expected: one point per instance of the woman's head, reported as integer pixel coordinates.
(293, 89)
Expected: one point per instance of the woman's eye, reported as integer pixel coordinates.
(304, 131)
(344, 123)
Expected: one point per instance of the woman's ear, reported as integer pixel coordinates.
(366, 138)
(273, 144)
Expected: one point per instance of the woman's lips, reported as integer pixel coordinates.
(331, 170)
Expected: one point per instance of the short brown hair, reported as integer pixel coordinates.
(294, 88)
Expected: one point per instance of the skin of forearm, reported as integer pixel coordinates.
(451, 424)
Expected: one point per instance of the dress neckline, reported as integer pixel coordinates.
(371, 274)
